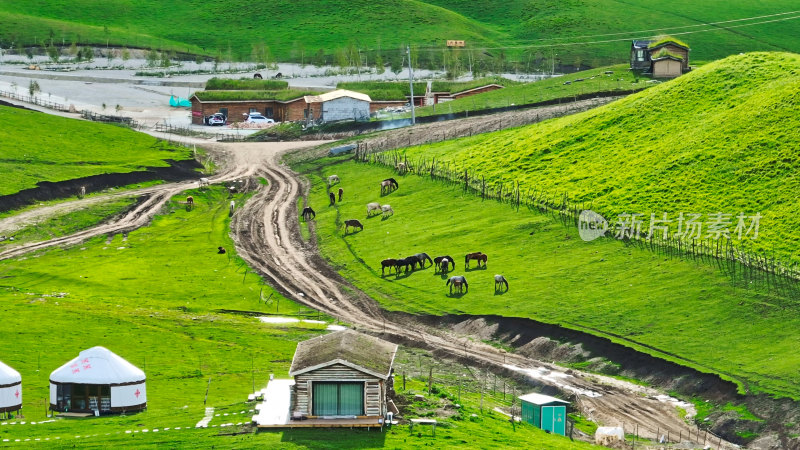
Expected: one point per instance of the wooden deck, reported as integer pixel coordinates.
(328, 423)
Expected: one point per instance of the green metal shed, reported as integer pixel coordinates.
(545, 412)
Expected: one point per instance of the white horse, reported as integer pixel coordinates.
(499, 280)
(387, 210)
(374, 206)
(204, 182)
(333, 179)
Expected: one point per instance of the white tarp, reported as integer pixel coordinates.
(11, 393)
(97, 365)
(131, 395)
(609, 436)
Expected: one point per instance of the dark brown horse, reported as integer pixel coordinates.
(407, 263)
(352, 223)
(438, 260)
(390, 263)
(341, 193)
(476, 256)
(308, 213)
(332, 196)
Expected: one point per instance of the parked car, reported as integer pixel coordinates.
(216, 119)
(258, 118)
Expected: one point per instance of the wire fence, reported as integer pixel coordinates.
(191, 132)
(779, 276)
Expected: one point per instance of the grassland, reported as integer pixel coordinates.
(568, 34)
(720, 139)
(39, 147)
(681, 310)
(221, 84)
(279, 95)
(154, 298)
(564, 87)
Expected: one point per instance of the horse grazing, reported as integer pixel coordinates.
(401, 167)
(333, 179)
(420, 259)
(341, 193)
(221, 250)
(477, 256)
(204, 182)
(352, 223)
(499, 280)
(190, 200)
(308, 213)
(390, 263)
(408, 263)
(387, 210)
(386, 187)
(332, 196)
(394, 183)
(444, 265)
(459, 282)
(438, 260)
(374, 206)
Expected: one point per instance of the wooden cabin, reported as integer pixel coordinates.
(665, 58)
(345, 374)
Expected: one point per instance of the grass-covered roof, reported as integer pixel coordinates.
(350, 347)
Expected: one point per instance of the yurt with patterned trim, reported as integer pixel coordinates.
(98, 381)
(10, 389)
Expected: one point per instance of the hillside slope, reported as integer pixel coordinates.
(37, 147)
(720, 139)
(298, 30)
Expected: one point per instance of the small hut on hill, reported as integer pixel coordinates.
(10, 389)
(98, 381)
(342, 374)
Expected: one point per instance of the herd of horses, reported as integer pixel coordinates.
(442, 264)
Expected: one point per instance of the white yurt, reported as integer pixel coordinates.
(98, 381)
(10, 389)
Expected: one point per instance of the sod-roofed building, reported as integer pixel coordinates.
(342, 374)
(662, 58)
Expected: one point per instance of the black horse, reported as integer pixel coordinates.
(406, 263)
(394, 183)
(308, 213)
(438, 260)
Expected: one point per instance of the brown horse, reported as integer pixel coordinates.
(477, 256)
(190, 200)
(341, 193)
(352, 223)
(390, 263)
(332, 196)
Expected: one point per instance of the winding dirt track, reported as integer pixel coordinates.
(266, 234)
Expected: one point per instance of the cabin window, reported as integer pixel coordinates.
(640, 55)
(253, 110)
(338, 399)
(268, 112)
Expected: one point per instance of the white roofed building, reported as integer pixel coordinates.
(337, 105)
(10, 389)
(98, 381)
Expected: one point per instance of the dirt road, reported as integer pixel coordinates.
(266, 234)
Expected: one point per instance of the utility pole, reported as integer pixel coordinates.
(411, 84)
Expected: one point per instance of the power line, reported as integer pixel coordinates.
(565, 44)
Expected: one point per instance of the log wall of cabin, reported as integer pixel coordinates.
(374, 387)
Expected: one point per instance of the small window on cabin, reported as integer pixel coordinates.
(253, 110)
(268, 112)
(640, 55)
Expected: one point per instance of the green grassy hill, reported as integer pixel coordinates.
(682, 310)
(720, 139)
(40, 147)
(577, 32)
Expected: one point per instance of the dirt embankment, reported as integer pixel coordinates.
(546, 342)
(46, 190)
